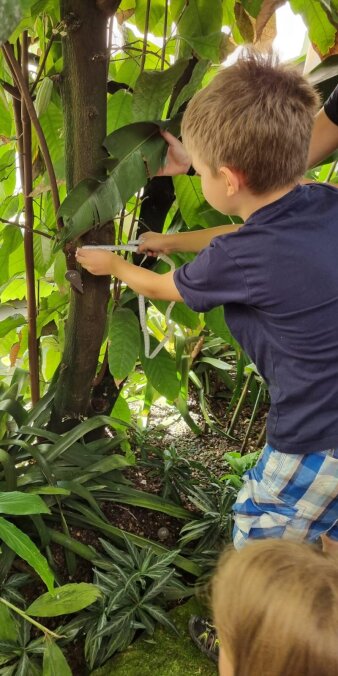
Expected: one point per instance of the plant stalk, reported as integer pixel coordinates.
(17, 610)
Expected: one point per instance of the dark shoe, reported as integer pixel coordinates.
(204, 635)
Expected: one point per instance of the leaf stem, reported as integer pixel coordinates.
(30, 619)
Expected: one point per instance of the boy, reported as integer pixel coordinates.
(247, 134)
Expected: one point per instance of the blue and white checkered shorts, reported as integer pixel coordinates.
(288, 496)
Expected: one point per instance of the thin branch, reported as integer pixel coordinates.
(23, 87)
(42, 65)
(26, 227)
(145, 37)
(13, 91)
(165, 28)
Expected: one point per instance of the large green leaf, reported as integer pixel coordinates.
(156, 16)
(124, 337)
(11, 14)
(15, 502)
(119, 110)
(197, 18)
(161, 371)
(153, 88)
(190, 198)
(24, 547)
(322, 32)
(66, 599)
(139, 151)
(54, 661)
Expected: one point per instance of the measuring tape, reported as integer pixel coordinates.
(132, 246)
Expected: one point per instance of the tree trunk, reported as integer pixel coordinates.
(84, 92)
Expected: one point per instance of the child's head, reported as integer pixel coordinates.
(275, 607)
(255, 117)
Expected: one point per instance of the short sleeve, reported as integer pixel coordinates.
(214, 278)
(331, 106)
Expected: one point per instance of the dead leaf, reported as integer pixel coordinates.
(124, 15)
(244, 23)
(267, 10)
(268, 34)
(14, 351)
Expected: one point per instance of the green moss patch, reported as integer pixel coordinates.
(164, 654)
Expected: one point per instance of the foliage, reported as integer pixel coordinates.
(135, 587)
(52, 483)
(215, 527)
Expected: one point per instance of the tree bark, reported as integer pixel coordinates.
(84, 92)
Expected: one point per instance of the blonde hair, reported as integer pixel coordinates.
(255, 116)
(275, 607)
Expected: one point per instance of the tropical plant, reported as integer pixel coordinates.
(22, 654)
(215, 526)
(91, 118)
(136, 587)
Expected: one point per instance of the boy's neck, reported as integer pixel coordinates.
(251, 202)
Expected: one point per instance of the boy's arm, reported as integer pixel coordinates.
(142, 281)
(324, 139)
(153, 243)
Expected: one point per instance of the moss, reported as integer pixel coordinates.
(165, 654)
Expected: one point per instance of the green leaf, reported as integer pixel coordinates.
(139, 150)
(153, 88)
(18, 503)
(181, 314)
(27, 550)
(156, 15)
(14, 409)
(11, 240)
(215, 321)
(207, 46)
(124, 342)
(54, 661)
(193, 85)
(195, 17)
(161, 371)
(217, 363)
(69, 598)
(8, 627)
(11, 323)
(119, 110)
(322, 32)
(11, 14)
(253, 7)
(121, 411)
(190, 198)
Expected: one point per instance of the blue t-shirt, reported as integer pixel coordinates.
(277, 278)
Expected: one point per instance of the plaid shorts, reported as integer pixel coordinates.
(288, 496)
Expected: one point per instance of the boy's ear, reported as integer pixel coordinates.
(233, 180)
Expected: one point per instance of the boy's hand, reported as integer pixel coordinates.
(154, 243)
(177, 161)
(96, 261)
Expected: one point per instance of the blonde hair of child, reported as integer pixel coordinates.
(275, 608)
(255, 116)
